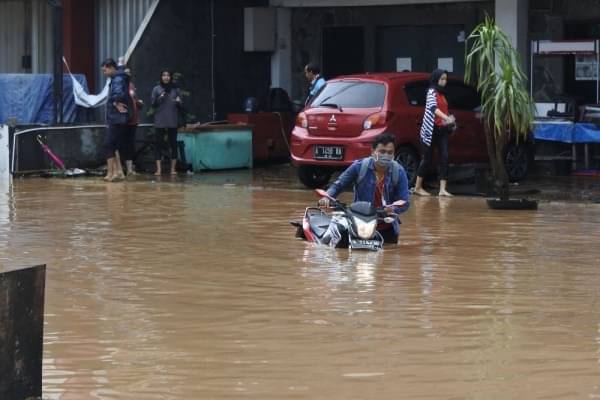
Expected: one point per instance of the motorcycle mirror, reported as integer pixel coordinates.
(323, 193)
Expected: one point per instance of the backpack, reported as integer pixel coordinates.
(364, 166)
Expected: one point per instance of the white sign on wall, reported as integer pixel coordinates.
(586, 68)
(403, 64)
(446, 63)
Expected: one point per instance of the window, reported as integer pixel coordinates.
(459, 95)
(462, 97)
(351, 94)
(417, 93)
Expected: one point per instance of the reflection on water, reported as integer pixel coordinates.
(198, 289)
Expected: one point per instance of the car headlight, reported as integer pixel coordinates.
(365, 230)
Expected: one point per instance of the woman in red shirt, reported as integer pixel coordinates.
(437, 125)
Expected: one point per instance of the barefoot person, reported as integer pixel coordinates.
(437, 125)
(118, 108)
(166, 99)
(127, 148)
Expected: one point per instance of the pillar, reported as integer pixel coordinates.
(281, 60)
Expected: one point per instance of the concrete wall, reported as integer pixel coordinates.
(4, 157)
(179, 37)
(281, 60)
(308, 25)
(21, 332)
(512, 17)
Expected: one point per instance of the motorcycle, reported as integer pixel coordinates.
(353, 226)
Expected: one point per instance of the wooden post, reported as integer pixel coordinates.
(21, 332)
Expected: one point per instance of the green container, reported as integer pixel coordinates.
(218, 147)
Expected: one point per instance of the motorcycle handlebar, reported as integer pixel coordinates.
(382, 213)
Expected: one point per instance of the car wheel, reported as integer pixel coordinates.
(314, 177)
(517, 162)
(407, 157)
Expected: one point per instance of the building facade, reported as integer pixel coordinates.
(229, 50)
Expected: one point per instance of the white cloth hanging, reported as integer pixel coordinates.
(84, 99)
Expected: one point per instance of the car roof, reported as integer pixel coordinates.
(396, 77)
(386, 76)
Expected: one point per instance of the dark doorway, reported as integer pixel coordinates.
(343, 51)
(420, 46)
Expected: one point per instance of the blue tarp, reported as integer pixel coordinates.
(29, 98)
(586, 133)
(554, 131)
(567, 132)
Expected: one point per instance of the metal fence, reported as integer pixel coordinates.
(117, 22)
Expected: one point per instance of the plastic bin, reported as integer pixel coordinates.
(214, 147)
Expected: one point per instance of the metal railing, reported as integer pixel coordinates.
(19, 135)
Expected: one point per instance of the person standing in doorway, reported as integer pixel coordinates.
(312, 72)
(166, 100)
(437, 125)
(118, 112)
(127, 150)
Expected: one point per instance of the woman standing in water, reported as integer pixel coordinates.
(437, 125)
(166, 99)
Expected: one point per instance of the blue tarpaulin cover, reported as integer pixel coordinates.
(29, 98)
(567, 132)
(586, 133)
(554, 131)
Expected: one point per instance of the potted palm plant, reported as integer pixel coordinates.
(494, 66)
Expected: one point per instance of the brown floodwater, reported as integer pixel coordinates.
(197, 289)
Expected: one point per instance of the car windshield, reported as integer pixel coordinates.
(351, 94)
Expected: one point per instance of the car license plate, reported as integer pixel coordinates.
(329, 153)
(365, 244)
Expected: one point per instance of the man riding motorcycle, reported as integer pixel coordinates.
(377, 179)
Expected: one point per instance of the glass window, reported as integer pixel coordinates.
(417, 93)
(351, 94)
(461, 96)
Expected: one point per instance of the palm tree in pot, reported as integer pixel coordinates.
(494, 65)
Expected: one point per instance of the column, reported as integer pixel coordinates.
(512, 17)
(281, 60)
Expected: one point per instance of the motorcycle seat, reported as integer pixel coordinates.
(319, 224)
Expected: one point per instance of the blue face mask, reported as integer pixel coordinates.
(383, 160)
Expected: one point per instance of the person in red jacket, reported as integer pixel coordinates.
(127, 149)
(437, 125)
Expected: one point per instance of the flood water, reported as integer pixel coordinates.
(197, 289)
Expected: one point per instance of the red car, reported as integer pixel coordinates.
(339, 124)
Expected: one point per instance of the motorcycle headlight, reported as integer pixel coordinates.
(365, 230)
